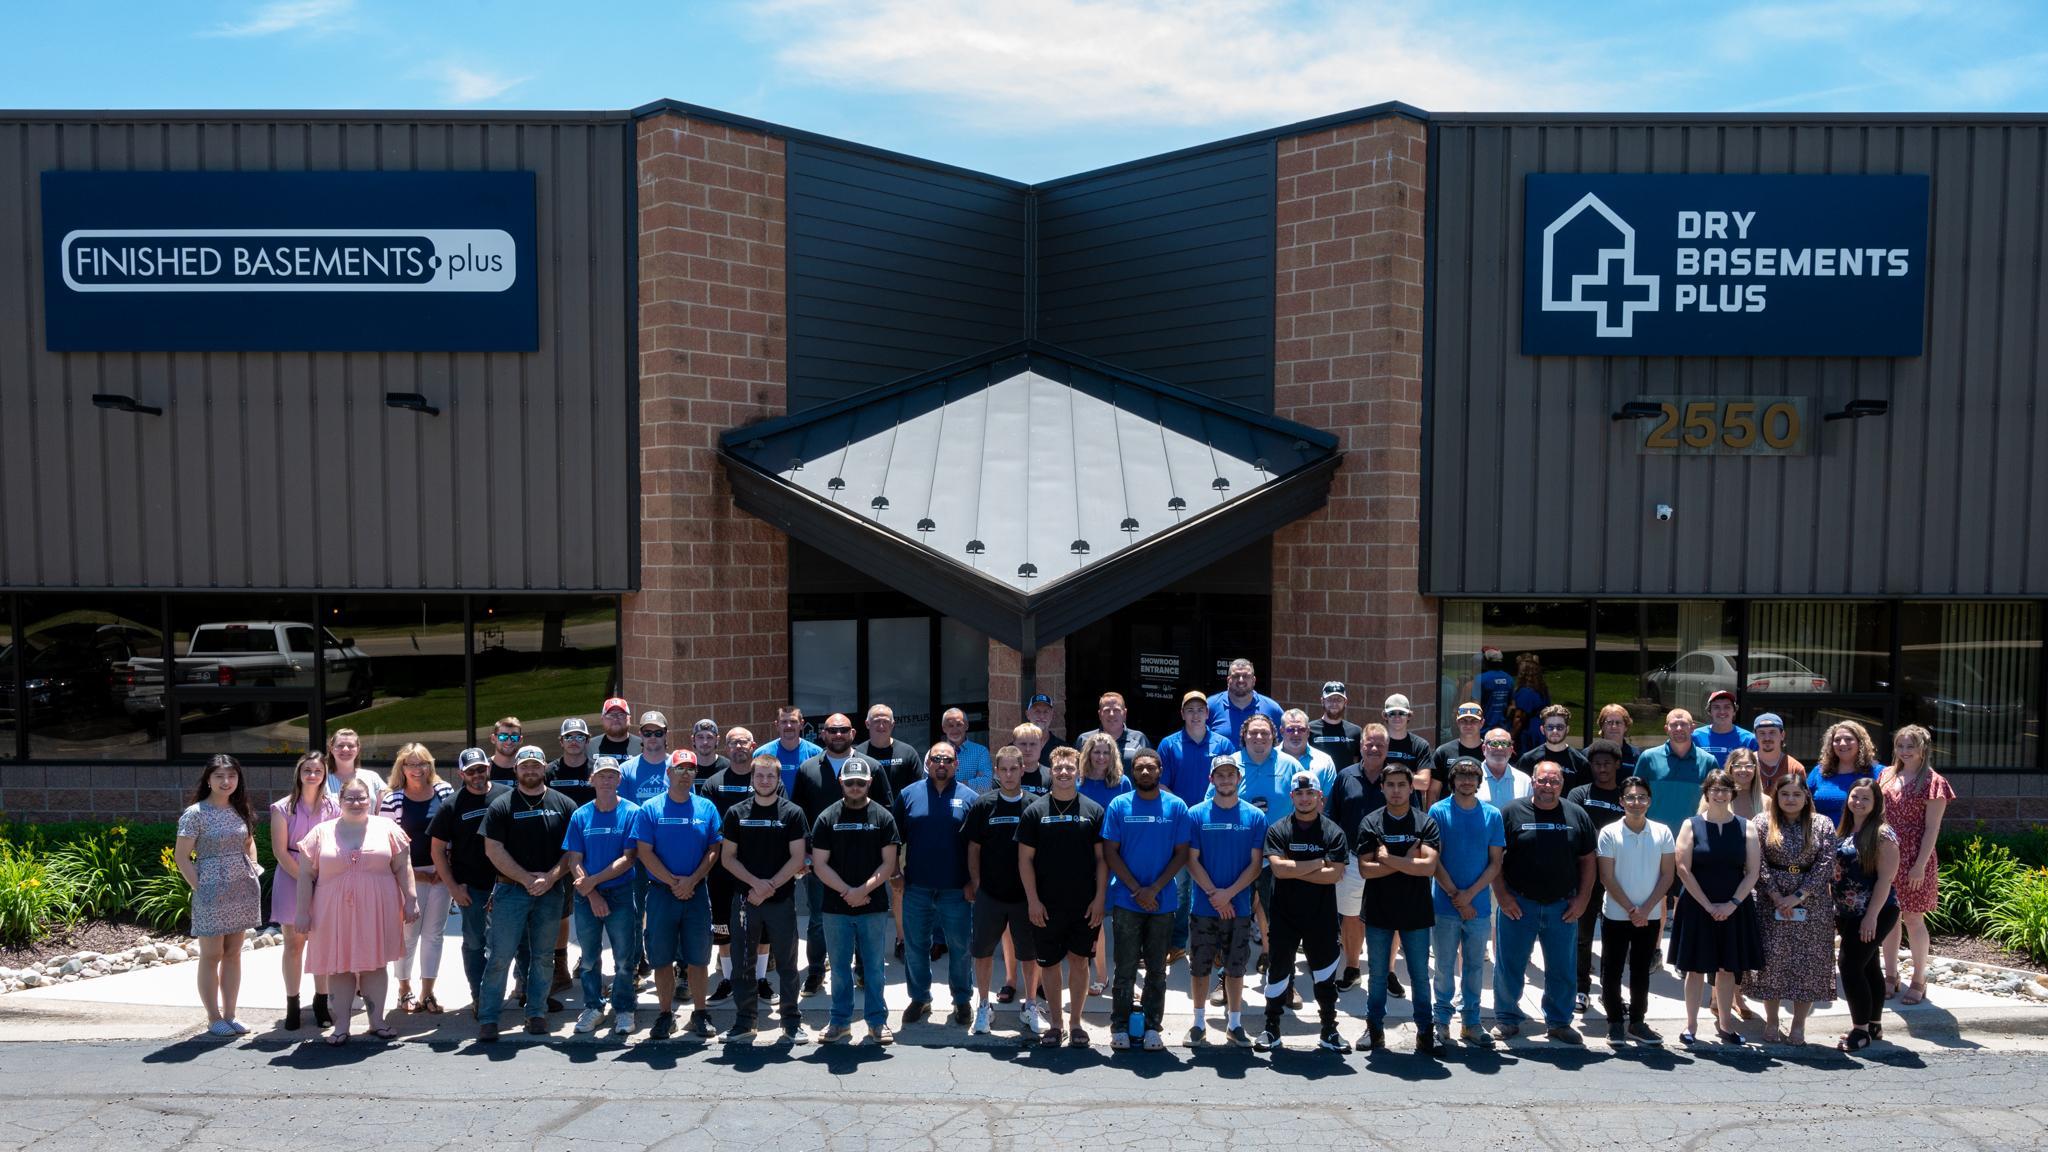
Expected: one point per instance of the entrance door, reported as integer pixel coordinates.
(1161, 647)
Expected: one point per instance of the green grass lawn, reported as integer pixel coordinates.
(547, 692)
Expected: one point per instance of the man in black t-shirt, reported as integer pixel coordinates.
(618, 741)
(523, 830)
(1353, 795)
(728, 783)
(1397, 852)
(763, 852)
(569, 774)
(1066, 886)
(710, 749)
(1039, 711)
(458, 851)
(990, 830)
(1555, 722)
(897, 759)
(1412, 749)
(1601, 798)
(854, 845)
(1468, 744)
(1545, 883)
(1307, 853)
(1331, 733)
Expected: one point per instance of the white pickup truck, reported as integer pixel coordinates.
(246, 654)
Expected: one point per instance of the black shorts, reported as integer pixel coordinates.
(1066, 933)
(724, 886)
(992, 916)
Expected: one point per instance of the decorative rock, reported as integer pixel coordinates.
(172, 954)
(70, 967)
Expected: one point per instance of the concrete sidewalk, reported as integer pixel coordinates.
(162, 1003)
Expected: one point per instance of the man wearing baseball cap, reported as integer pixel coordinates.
(647, 773)
(1184, 759)
(602, 862)
(677, 834)
(1411, 749)
(523, 830)
(1307, 853)
(1039, 710)
(569, 774)
(1773, 763)
(1470, 723)
(1331, 733)
(458, 852)
(1722, 735)
(618, 740)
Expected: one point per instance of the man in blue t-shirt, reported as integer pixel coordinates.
(790, 747)
(1723, 735)
(929, 816)
(1184, 759)
(1494, 689)
(1675, 769)
(1471, 841)
(1225, 853)
(1240, 701)
(1145, 842)
(602, 864)
(677, 835)
(646, 776)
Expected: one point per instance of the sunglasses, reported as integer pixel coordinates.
(837, 728)
(1500, 744)
(656, 733)
(942, 759)
(854, 783)
(508, 737)
(1556, 727)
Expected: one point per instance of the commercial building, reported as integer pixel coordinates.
(405, 422)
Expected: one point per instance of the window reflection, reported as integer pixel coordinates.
(1834, 646)
(900, 675)
(242, 679)
(1968, 673)
(544, 659)
(396, 675)
(92, 687)
(824, 671)
(1653, 656)
(1516, 658)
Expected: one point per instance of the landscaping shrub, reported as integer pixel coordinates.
(32, 904)
(100, 869)
(1974, 878)
(163, 900)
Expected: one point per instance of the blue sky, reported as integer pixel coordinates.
(1033, 89)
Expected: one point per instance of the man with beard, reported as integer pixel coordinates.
(1331, 732)
(1060, 863)
(619, 741)
(602, 862)
(678, 835)
(1500, 782)
(1601, 798)
(790, 747)
(1546, 881)
(1145, 835)
(459, 859)
(729, 783)
(1555, 723)
(764, 843)
(1307, 853)
(646, 775)
(1225, 855)
(1352, 797)
(854, 844)
(937, 895)
(1397, 853)
(1241, 700)
(816, 787)
(523, 830)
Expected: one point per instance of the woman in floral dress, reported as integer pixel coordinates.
(1915, 799)
(216, 853)
(1795, 908)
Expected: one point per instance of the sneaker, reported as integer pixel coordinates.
(1565, 1034)
(1425, 1041)
(1267, 1042)
(1007, 995)
(1617, 1033)
(1474, 1037)
(915, 1011)
(722, 992)
(586, 1020)
(1029, 1018)
(536, 1025)
(1348, 980)
(1154, 1042)
(764, 991)
(664, 1026)
(220, 1028)
(1643, 1033)
(795, 1035)
(700, 1026)
(240, 1028)
(1198, 1036)
(623, 1024)
(1216, 997)
(880, 1036)
(1394, 988)
(1238, 1037)
(1334, 1041)
(741, 1032)
(487, 1033)
(835, 1034)
(1375, 1038)
(1582, 1004)
(984, 1019)
(962, 1016)
(1120, 1040)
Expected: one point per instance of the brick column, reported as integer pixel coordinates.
(708, 632)
(1349, 359)
(1006, 686)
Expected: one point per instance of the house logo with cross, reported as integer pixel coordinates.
(1613, 291)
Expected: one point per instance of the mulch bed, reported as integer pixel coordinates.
(1978, 950)
(88, 935)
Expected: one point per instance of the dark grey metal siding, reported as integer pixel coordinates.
(1167, 269)
(895, 269)
(286, 470)
(1534, 491)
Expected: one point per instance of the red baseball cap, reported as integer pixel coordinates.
(682, 756)
(619, 703)
(1720, 694)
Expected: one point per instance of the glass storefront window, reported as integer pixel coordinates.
(1653, 656)
(545, 659)
(1838, 647)
(1515, 658)
(1969, 673)
(395, 674)
(10, 716)
(243, 675)
(900, 675)
(92, 687)
(963, 677)
(824, 669)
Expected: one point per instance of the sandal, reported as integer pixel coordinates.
(429, 1005)
(1891, 989)
(1097, 988)
(1876, 1032)
(407, 1003)
(1773, 1036)
(384, 1032)
(335, 1040)
(1078, 1038)
(1051, 1038)
(1856, 1041)
(1914, 994)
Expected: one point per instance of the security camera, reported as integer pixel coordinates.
(1663, 512)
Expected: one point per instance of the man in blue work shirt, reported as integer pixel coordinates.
(677, 835)
(603, 864)
(929, 816)
(1145, 838)
(1226, 852)
(1240, 701)
(645, 776)
(1675, 769)
(1494, 688)
(1722, 734)
(1184, 759)
(790, 747)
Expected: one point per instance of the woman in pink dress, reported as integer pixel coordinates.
(355, 915)
(291, 818)
(1915, 799)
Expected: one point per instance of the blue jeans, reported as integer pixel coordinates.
(815, 949)
(519, 920)
(868, 937)
(949, 907)
(476, 936)
(619, 926)
(1379, 945)
(1542, 923)
(1460, 947)
(1183, 900)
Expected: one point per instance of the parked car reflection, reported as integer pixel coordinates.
(1687, 681)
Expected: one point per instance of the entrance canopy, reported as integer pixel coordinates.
(1029, 491)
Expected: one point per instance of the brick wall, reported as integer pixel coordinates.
(1006, 686)
(1348, 358)
(708, 632)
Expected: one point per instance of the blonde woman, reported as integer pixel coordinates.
(344, 763)
(417, 793)
(1847, 754)
(1750, 800)
(291, 818)
(1915, 800)
(355, 898)
(1102, 780)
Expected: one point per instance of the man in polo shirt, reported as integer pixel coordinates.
(1469, 742)
(790, 747)
(1555, 722)
(814, 788)
(1397, 849)
(677, 834)
(458, 852)
(523, 830)
(1109, 710)
(1060, 864)
(1773, 762)
(1331, 732)
(990, 832)
(1500, 782)
(854, 843)
(1601, 798)
(763, 846)
(1351, 797)
(1184, 759)
(1307, 852)
(1240, 700)
(1294, 742)
(646, 775)
(977, 770)
(728, 783)
(1546, 882)
(1410, 748)
(1722, 734)
(1494, 687)
(1675, 769)
(1038, 710)
(1145, 835)
(505, 744)
(1226, 851)
(937, 895)
(1472, 840)
(618, 741)
(602, 861)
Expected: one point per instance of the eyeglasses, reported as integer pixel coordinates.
(1713, 788)
(476, 769)
(1500, 744)
(938, 759)
(508, 737)
(575, 737)
(1556, 727)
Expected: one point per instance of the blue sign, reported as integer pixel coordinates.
(290, 261)
(1724, 265)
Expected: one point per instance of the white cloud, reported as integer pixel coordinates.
(314, 16)
(473, 86)
(1031, 63)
